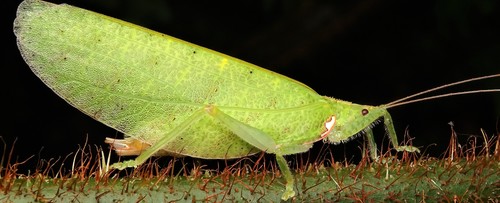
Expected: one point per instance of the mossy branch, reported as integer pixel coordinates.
(468, 174)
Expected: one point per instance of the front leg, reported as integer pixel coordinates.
(392, 135)
(389, 127)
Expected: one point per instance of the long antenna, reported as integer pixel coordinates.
(441, 96)
(404, 99)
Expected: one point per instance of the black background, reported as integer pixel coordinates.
(369, 52)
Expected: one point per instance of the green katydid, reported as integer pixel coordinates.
(172, 97)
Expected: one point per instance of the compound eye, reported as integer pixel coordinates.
(364, 112)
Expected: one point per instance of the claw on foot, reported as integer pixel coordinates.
(289, 193)
(407, 148)
(124, 165)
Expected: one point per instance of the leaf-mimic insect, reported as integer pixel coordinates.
(172, 97)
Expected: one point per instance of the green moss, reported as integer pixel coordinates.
(472, 174)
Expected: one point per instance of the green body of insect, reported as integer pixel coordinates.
(178, 98)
